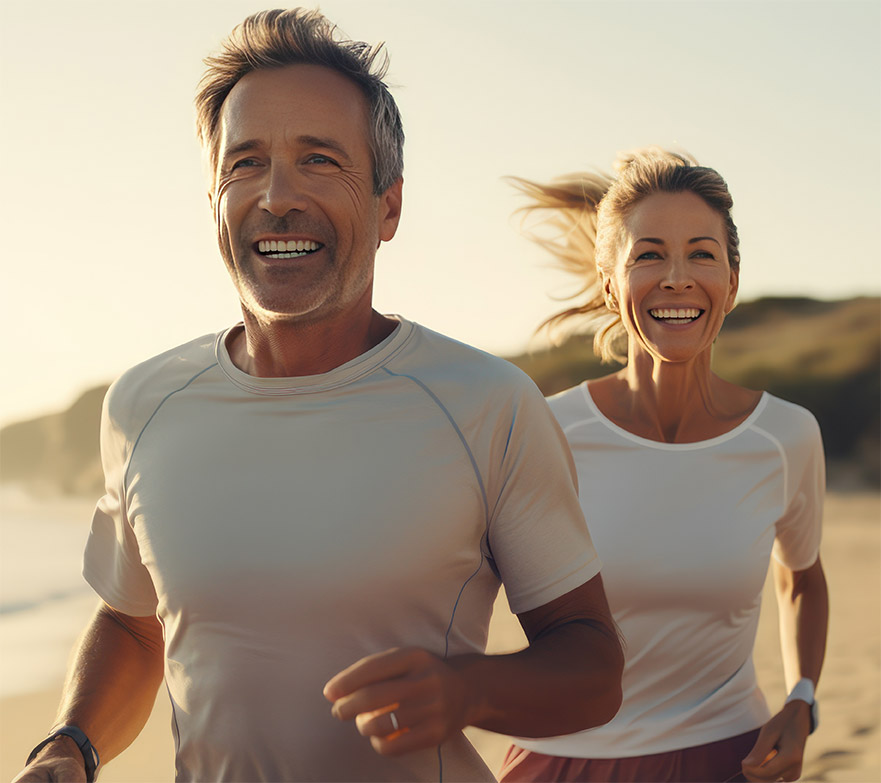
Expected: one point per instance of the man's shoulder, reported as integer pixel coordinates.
(436, 356)
(142, 387)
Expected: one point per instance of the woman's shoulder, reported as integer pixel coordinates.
(569, 403)
(787, 420)
(577, 403)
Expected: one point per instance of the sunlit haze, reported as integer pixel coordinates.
(108, 246)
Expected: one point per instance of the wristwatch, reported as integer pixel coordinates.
(90, 755)
(804, 691)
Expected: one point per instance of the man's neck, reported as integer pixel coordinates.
(286, 349)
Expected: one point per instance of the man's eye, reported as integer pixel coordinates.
(649, 255)
(242, 163)
(321, 160)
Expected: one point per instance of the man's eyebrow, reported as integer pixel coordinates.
(325, 143)
(242, 146)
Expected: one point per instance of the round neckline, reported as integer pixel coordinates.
(309, 384)
(664, 446)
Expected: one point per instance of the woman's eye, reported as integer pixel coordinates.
(704, 254)
(649, 255)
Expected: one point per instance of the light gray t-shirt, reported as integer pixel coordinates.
(283, 528)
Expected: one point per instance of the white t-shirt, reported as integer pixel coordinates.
(685, 532)
(283, 528)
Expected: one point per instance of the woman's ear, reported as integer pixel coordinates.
(733, 284)
(609, 294)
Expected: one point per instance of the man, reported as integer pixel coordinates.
(307, 515)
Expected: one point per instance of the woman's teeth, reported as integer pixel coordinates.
(290, 249)
(684, 315)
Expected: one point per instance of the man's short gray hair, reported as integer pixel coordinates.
(275, 39)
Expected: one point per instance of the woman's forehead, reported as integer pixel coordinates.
(672, 216)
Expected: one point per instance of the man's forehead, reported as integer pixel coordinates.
(299, 95)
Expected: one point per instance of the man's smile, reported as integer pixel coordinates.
(292, 248)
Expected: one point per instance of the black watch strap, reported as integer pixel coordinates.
(90, 755)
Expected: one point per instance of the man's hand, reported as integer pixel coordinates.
(780, 747)
(60, 760)
(566, 680)
(427, 696)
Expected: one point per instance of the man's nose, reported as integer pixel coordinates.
(284, 192)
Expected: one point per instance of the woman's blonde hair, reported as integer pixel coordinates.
(587, 213)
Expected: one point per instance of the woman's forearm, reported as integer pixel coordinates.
(803, 605)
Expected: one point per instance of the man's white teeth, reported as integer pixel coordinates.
(681, 315)
(291, 246)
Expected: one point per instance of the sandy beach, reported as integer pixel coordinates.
(846, 747)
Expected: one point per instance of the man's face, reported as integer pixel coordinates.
(297, 221)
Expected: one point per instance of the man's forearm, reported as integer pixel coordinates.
(113, 680)
(567, 680)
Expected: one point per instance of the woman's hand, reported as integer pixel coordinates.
(780, 747)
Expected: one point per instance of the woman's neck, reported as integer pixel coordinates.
(672, 402)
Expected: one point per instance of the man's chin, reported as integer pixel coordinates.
(281, 312)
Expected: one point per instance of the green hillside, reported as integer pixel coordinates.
(823, 355)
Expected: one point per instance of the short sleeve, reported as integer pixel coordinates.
(538, 536)
(797, 543)
(112, 562)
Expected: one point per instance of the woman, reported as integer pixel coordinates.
(688, 483)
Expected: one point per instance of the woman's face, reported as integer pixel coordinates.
(672, 283)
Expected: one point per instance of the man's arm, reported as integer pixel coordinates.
(109, 693)
(566, 680)
(803, 607)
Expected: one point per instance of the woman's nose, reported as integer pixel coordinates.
(677, 275)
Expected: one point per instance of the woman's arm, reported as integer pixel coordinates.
(803, 607)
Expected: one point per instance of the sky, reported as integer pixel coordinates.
(108, 248)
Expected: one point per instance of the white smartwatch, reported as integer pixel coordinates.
(804, 691)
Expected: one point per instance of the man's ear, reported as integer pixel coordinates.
(389, 213)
